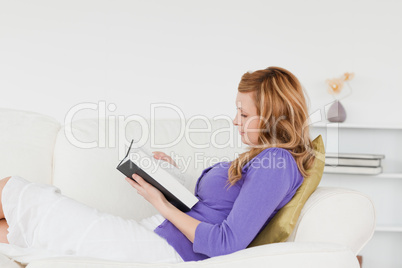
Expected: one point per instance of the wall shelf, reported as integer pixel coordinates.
(389, 176)
(365, 176)
(386, 228)
(357, 126)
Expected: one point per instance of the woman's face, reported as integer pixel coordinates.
(247, 118)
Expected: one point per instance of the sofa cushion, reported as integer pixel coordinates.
(26, 144)
(282, 224)
(311, 255)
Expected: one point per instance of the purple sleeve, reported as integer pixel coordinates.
(266, 183)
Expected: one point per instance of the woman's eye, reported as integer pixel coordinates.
(243, 115)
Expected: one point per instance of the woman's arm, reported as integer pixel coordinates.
(185, 223)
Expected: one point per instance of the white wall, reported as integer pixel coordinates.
(57, 54)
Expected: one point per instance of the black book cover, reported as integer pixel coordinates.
(129, 168)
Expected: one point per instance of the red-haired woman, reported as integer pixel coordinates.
(237, 198)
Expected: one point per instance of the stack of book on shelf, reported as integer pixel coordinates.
(353, 163)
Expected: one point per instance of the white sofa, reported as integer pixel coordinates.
(81, 159)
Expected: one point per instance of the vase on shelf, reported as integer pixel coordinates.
(336, 113)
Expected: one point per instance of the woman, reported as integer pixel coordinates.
(237, 198)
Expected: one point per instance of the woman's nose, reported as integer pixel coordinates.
(234, 121)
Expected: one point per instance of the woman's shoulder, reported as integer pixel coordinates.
(274, 152)
(272, 157)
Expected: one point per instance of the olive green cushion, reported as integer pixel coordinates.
(282, 224)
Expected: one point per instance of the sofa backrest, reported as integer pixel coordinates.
(26, 144)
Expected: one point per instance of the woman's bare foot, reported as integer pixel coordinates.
(2, 184)
(3, 231)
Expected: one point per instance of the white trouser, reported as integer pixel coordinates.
(39, 216)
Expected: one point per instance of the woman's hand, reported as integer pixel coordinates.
(146, 190)
(165, 157)
(185, 223)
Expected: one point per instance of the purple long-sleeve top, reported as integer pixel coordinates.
(232, 217)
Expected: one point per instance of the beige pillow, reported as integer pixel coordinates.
(282, 224)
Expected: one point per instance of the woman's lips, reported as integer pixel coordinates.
(241, 133)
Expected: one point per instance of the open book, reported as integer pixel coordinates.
(159, 174)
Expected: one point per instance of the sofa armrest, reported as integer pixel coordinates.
(286, 255)
(336, 215)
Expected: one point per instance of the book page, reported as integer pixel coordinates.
(172, 169)
(162, 172)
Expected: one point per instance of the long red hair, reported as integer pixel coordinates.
(281, 104)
